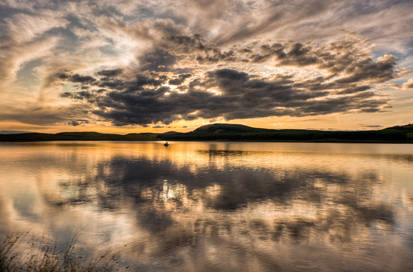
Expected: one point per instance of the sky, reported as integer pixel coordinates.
(159, 65)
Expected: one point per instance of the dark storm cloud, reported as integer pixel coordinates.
(144, 101)
(110, 72)
(133, 84)
(176, 79)
(379, 71)
(76, 78)
(76, 123)
(82, 79)
(354, 90)
(87, 95)
(132, 48)
(179, 80)
(157, 60)
(346, 58)
(298, 54)
(110, 80)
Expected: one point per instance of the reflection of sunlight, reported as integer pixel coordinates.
(170, 191)
(213, 191)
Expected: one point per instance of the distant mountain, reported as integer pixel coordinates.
(12, 132)
(237, 132)
(405, 127)
(228, 128)
(232, 132)
(229, 131)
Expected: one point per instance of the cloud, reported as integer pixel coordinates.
(371, 126)
(276, 16)
(344, 85)
(110, 73)
(154, 61)
(76, 123)
(408, 84)
(242, 96)
(78, 78)
(45, 116)
(179, 79)
(238, 188)
(348, 58)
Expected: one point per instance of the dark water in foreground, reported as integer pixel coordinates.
(217, 206)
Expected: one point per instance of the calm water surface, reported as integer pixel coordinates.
(217, 206)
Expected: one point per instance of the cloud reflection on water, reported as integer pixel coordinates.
(196, 211)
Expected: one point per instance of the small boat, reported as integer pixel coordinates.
(166, 144)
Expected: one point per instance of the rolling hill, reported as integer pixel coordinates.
(231, 132)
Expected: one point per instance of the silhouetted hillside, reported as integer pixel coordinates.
(228, 128)
(231, 132)
(237, 132)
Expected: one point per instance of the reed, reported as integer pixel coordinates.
(16, 257)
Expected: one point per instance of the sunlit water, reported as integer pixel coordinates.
(217, 206)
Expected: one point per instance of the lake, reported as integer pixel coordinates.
(215, 206)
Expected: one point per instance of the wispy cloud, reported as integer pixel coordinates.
(152, 62)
